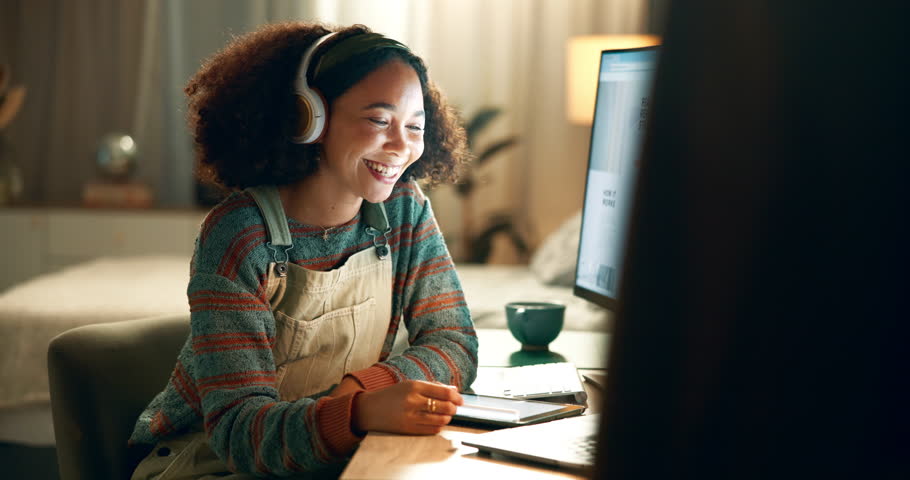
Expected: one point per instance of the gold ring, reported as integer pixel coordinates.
(431, 405)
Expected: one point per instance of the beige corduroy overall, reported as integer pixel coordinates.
(327, 324)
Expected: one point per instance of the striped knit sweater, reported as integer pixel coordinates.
(224, 378)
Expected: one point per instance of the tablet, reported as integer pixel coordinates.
(507, 412)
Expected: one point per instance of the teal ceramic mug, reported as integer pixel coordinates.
(535, 324)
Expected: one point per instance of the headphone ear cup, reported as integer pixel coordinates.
(312, 110)
(310, 104)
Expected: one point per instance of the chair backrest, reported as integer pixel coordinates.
(101, 378)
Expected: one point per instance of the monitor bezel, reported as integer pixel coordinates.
(597, 298)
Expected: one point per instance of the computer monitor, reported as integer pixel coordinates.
(620, 114)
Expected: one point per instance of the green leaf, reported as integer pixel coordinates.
(495, 148)
(465, 186)
(479, 121)
(481, 245)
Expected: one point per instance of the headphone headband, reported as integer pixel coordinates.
(305, 62)
(314, 124)
(353, 46)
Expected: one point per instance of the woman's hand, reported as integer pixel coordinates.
(411, 407)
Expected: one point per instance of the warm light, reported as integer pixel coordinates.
(126, 142)
(582, 61)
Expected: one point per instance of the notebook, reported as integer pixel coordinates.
(569, 442)
(510, 412)
(531, 382)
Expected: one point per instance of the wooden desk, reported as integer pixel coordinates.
(498, 348)
(392, 456)
(388, 456)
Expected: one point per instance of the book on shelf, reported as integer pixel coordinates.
(117, 195)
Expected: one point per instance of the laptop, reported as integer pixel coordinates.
(623, 98)
(569, 443)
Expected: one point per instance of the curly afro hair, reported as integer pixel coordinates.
(242, 110)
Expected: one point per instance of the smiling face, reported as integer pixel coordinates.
(375, 133)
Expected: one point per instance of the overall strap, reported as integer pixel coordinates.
(269, 203)
(377, 226)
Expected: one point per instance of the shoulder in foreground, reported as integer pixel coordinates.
(407, 192)
(234, 214)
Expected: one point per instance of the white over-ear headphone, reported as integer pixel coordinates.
(313, 114)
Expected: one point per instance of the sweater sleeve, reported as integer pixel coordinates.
(443, 343)
(234, 371)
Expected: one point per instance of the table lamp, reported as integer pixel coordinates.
(582, 62)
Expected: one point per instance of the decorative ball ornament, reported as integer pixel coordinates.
(116, 157)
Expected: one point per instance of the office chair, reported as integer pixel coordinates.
(101, 378)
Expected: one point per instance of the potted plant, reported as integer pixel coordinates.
(477, 241)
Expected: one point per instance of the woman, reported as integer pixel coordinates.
(301, 277)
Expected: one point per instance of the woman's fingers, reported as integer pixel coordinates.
(427, 408)
(434, 420)
(438, 406)
(438, 403)
(439, 391)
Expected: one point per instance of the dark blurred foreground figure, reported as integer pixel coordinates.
(763, 327)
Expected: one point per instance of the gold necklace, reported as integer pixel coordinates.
(326, 231)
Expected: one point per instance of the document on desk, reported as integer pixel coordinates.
(530, 382)
(507, 412)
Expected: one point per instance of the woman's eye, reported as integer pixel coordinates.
(380, 121)
(415, 128)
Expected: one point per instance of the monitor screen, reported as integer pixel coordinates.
(620, 113)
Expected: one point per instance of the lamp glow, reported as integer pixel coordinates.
(582, 62)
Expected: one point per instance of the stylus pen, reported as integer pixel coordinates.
(485, 408)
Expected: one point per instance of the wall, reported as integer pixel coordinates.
(508, 53)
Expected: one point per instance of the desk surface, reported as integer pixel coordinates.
(392, 456)
(498, 348)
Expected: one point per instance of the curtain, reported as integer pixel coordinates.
(108, 66)
(79, 62)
